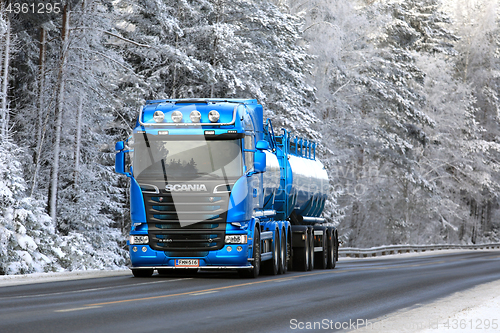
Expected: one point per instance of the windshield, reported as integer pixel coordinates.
(186, 159)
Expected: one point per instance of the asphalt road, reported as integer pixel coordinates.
(223, 302)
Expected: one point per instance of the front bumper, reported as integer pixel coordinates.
(193, 268)
(145, 257)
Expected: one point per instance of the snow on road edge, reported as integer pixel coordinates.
(14, 280)
(473, 310)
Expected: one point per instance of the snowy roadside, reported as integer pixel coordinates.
(473, 310)
(13, 280)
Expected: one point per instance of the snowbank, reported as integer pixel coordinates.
(473, 310)
(12, 280)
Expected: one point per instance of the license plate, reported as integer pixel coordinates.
(187, 262)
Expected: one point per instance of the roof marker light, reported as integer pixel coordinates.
(213, 116)
(195, 116)
(176, 116)
(158, 116)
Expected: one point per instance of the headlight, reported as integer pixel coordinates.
(139, 239)
(213, 116)
(236, 239)
(176, 116)
(195, 116)
(158, 116)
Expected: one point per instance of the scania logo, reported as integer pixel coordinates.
(186, 187)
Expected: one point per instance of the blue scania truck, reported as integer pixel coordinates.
(214, 188)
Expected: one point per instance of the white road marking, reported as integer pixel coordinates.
(283, 280)
(78, 309)
(204, 293)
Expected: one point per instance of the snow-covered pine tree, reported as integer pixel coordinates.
(91, 201)
(222, 48)
(25, 244)
(477, 67)
(371, 90)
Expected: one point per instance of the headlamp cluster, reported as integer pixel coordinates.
(195, 116)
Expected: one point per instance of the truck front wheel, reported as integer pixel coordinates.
(253, 272)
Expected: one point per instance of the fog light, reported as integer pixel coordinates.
(158, 116)
(213, 116)
(195, 116)
(144, 249)
(176, 116)
(229, 249)
(134, 249)
(239, 249)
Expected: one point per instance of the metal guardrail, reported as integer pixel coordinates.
(353, 252)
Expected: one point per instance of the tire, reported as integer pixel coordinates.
(289, 250)
(336, 247)
(321, 258)
(142, 272)
(336, 240)
(331, 248)
(283, 267)
(253, 272)
(311, 249)
(271, 267)
(301, 255)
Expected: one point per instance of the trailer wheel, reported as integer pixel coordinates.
(289, 261)
(271, 267)
(142, 272)
(253, 272)
(301, 254)
(336, 246)
(283, 253)
(310, 254)
(331, 248)
(336, 255)
(321, 258)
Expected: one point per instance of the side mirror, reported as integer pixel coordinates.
(262, 145)
(120, 145)
(120, 159)
(259, 163)
(120, 163)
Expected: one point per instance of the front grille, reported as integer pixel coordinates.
(194, 222)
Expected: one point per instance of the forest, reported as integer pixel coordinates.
(402, 97)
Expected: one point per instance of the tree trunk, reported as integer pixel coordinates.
(78, 138)
(214, 62)
(78, 135)
(41, 85)
(58, 115)
(5, 83)
(40, 106)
